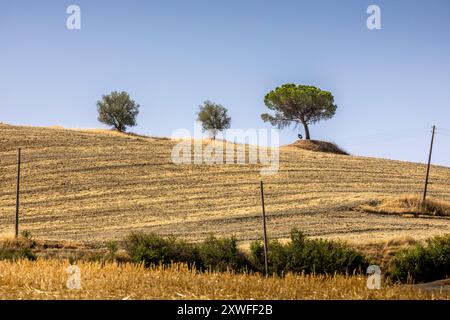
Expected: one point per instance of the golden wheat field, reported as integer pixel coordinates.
(93, 185)
(46, 279)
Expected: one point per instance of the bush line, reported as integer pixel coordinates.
(301, 255)
(422, 262)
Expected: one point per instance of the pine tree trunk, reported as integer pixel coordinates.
(307, 136)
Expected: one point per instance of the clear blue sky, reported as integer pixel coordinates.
(390, 85)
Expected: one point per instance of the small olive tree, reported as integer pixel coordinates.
(117, 109)
(214, 118)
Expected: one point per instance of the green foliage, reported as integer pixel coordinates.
(298, 104)
(118, 110)
(276, 256)
(154, 250)
(302, 255)
(214, 117)
(422, 262)
(218, 254)
(26, 234)
(16, 254)
(222, 254)
(112, 247)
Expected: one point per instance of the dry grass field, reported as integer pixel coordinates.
(46, 279)
(408, 204)
(87, 185)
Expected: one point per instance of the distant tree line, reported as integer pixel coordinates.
(290, 105)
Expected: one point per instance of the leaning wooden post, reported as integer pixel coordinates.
(264, 229)
(18, 193)
(428, 169)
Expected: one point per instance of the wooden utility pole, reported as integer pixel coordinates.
(18, 193)
(428, 168)
(264, 229)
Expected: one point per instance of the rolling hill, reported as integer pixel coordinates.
(92, 185)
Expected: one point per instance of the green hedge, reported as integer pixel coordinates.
(422, 262)
(153, 250)
(218, 254)
(16, 254)
(302, 255)
(221, 254)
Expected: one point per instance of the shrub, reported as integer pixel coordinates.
(26, 234)
(221, 254)
(153, 250)
(20, 248)
(302, 255)
(218, 254)
(422, 262)
(112, 248)
(276, 257)
(16, 254)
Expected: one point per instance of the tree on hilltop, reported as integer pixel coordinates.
(298, 104)
(118, 110)
(214, 118)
